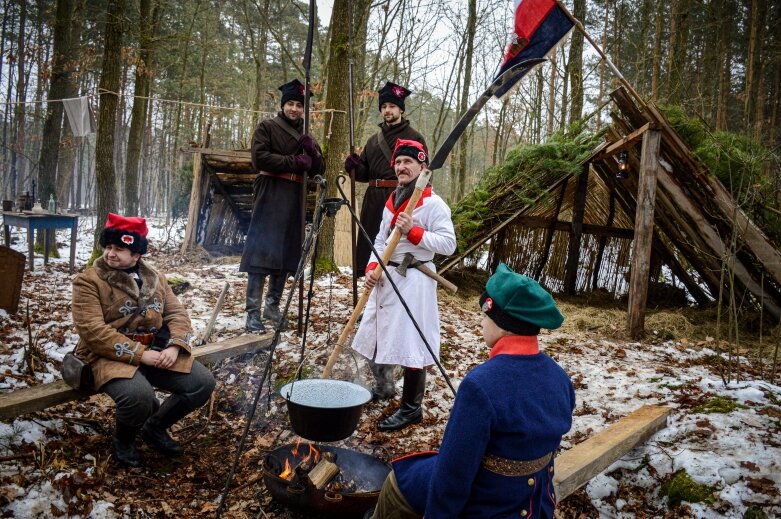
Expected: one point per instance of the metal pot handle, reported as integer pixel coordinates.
(333, 497)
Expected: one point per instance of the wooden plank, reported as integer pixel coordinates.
(624, 143)
(575, 467)
(644, 232)
(43, 396)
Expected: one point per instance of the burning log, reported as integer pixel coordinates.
(323, 472)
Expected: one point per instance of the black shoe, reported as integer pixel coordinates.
(274, 315)
(410, 411)
(254, 324)
(405, 416)
(159, 440)
(123, 446)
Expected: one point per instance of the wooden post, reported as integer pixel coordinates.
(575, 237)
(550, 232)
(196, 196)
(644, 233)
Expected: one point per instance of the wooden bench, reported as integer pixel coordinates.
(576, 467)
(37, 398)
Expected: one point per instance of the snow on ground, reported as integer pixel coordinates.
(737, 453)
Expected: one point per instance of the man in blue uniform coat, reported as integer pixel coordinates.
(496, 457)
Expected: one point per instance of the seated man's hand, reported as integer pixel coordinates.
(150, 357)
(167, 357)
(404, 223)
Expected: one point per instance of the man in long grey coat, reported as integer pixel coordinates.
(282, 155)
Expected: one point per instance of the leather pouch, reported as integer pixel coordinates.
(76, 373)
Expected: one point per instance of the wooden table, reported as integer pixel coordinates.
(47, 222)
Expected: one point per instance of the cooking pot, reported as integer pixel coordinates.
(324, 410)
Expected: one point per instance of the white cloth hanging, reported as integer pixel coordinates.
(80, 115)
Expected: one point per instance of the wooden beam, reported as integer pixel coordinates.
(549, 233)
(576, 467)
(244, 155)
(644, 233)
(627, 142)
(538, 222)
(43, 396)
(576, 235)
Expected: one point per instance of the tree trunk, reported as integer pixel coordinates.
(336, 99)
(471, 27)
(68, 143)
(725, 69)
(676, 57)
(107, 114)
(657, 57)
(17, 152)
(148, 22)
(754, 68)
(552, 95)
(58, 88)
(575, 66)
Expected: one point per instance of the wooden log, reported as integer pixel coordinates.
(43, 396)
(625, 143)
(644, 231)
(575, 467)
(575, 237)
(323, 472)
(196, 198)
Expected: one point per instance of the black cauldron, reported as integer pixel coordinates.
(362, 474)
(324, 410)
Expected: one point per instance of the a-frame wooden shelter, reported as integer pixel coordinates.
(592, 228)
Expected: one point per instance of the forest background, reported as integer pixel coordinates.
(160, 73)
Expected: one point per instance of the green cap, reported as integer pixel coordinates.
(518, 304)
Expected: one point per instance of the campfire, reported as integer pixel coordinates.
(324, 479)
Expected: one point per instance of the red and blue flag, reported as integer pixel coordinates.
(540, 26)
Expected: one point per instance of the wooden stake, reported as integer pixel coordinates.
(644, 232)
(207, 333)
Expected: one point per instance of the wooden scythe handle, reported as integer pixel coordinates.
(420, 185)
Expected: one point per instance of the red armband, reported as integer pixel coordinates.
(415, 235)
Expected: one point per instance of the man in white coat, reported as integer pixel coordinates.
(386, 334)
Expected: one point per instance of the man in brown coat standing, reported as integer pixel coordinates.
(281, 154)
(134, 333)
(373, 165)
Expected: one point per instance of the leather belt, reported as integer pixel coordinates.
(292, 177)
(514, 468)
(383, 183)
(144, 338)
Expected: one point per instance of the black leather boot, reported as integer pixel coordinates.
(271, 311)
(384, 381)
(410, 411)
(156, 437)
(254, 291)
(123, 446)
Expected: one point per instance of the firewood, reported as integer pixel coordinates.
(323, 472)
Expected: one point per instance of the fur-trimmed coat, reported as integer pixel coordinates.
(104, 299)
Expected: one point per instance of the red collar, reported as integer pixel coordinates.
(516, 345)
(389, 203)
